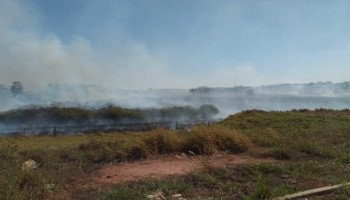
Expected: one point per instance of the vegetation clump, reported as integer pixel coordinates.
(59, 115)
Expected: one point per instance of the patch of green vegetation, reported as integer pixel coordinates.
(295, 134)
(116, 114)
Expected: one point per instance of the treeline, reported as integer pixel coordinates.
(57, 115)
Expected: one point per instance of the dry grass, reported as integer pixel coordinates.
(316, 143)
(64, 160)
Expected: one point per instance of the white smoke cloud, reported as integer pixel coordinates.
(37, 59)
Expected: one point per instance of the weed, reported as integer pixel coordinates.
(261, 191)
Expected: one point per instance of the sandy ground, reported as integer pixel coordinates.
(171, 165)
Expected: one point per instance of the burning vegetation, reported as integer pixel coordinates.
(38, 116)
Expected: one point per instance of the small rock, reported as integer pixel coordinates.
(29, 165)
(151, 196)
(191, 153)
(177, 195)
(183, 154)
(157, 196)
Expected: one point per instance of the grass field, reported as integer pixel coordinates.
(311, 149)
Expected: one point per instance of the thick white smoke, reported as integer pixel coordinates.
(37, 58)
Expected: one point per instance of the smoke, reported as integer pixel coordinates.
(90, 72)
(116, 57)
(38, 58)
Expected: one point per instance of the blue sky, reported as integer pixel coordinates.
(143, 44)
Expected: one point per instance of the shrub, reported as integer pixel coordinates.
(163, 142)
(138, 152)
(200, 141)
(117, 114)
(229, 140)
(207, 140)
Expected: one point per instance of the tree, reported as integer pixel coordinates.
(202, 91)
(193, 91)
(16, 88)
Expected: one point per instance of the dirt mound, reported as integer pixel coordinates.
(174, 165)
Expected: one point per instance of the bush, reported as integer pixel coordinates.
(229, 140)
(200, 141)
(208, 139)
(116, 114)
(138, 152)
(163, 142)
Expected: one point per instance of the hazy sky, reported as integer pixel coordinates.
(142, 44)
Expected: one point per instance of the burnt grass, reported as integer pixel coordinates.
(311, 149)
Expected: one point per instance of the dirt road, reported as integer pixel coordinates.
(170, 165)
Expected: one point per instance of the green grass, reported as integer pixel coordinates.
(297, 134)
(312, 149)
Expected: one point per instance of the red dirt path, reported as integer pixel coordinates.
(162, 167)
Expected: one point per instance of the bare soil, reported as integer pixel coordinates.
(170, 165)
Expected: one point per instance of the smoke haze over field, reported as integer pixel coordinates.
(124, 52)
(227, 100)
(172, 44)
(37, 57)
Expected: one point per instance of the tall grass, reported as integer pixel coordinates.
(208, 140)
(64, 160)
